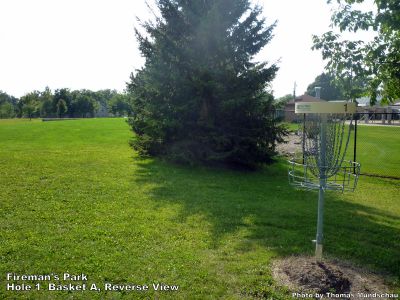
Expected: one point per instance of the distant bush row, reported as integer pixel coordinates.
(65, 103)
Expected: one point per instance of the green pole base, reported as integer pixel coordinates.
(318, 252)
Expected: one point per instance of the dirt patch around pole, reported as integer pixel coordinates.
(330, 279)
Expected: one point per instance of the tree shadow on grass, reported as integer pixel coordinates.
(272, 214)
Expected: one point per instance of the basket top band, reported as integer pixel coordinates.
(333, 107)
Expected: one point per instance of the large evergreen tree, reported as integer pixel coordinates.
(200, 96)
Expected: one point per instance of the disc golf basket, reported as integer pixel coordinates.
(322, 165)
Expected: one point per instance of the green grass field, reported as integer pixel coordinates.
(378, 149)
(76, 199)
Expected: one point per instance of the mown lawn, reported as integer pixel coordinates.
(378, 150)
(76, 199)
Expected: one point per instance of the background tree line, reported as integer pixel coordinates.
(64, 103)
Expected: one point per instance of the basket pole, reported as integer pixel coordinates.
(322, 186)
(355, 142)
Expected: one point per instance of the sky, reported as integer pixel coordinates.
(90, 44)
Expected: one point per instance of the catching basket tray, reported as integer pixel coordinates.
(301, 176)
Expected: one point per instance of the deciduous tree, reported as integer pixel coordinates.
(372, 67)
(119, 105)
(61, 108)
(330, 87)
(29, 104)
(8, 105)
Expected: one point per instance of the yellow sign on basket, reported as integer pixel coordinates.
(337, 107)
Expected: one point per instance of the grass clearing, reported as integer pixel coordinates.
(378, 149)
(75, 198)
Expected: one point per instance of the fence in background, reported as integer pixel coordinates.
(379, 118)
